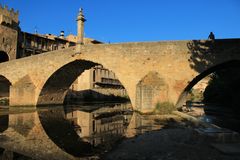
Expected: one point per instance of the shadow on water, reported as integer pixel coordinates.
(85, 130)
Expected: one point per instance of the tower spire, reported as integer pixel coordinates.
(80, 26)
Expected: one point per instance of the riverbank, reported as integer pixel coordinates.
(177, 139)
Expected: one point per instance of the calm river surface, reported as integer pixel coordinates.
(74, 132)
(67, 132)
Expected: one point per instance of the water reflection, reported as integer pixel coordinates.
(86, 130)
(101, 126)
(26, 136)
(70, 132)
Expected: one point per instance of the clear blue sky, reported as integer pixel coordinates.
(132, 20)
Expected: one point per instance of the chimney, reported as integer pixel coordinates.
(61, 34)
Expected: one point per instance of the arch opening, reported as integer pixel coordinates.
(77, 125)
(4, 102)
(81, 81)
(182, 97)
(4, 90)
(219, 97)
(3, 56)
(56, 87)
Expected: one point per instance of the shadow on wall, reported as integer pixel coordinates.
(206, 57)
(205, 54)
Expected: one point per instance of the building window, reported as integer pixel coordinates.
(93, 75)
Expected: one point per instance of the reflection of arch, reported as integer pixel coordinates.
(61, 132)
(183, 96)
(24, 132)
(3, 56)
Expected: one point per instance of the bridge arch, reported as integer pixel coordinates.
(4, 100)
(183, 96)
(3, 56)
(58, 83)
(4, 90)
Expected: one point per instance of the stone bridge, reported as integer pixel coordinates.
(151, 72)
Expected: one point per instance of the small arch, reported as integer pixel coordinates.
(3, 56)
(4, 90)
(4, 101)
(183, 96)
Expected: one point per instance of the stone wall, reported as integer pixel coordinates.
(151, 90)
(8, 41)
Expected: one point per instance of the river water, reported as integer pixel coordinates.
(78, 131)
(67, 132)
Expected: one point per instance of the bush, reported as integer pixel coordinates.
(164, 108)
(4, 101)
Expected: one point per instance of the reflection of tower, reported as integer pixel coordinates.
(80, 26)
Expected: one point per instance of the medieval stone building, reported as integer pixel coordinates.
(9, 29)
